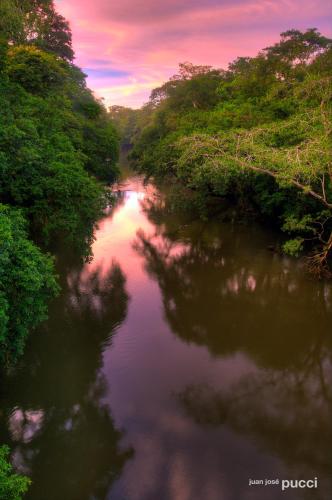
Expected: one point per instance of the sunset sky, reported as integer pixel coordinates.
(129, 47)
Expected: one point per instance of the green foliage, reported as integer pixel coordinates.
(38, 72)
(36, 22)
(293, 224)
(12, 486)
(258, 134)
(27, 282)
(11, 20)
(50, 146)
(56, 144)
(293, 247)
(101, 146)
(124, 120)
(296, 48)
(195, 87)
(53, 31)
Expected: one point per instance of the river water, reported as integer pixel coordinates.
(184, 360)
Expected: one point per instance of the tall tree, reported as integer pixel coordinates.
(36, 22)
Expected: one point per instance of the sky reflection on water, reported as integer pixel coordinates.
(183, 360)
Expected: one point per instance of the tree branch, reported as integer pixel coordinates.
(295, 183)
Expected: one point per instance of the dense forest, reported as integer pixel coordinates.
(58, 147)
(254, 140)
(257, 136)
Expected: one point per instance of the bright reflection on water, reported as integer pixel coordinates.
(183, 360)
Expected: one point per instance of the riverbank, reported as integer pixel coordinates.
(184, 357)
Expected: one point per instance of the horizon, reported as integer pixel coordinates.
(129, 49)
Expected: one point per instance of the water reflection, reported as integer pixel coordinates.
(61, 432)
(219, 292)
(287, 414)
(183, 360)
(222, 290)
(23, 425)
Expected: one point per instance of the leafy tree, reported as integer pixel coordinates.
(12, 486)
(38, 72)
(11, 21)
(55, 139)
(38, 23)
(296, 154)
(54, 34)
(194, 87)
(125, 121)
(27, 282)
(60, 138)
(102, 148)
(297, 48)
(258, 134)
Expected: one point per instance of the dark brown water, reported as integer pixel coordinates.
(184, 360)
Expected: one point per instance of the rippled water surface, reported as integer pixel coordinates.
(184, 360)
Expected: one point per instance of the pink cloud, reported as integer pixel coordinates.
(139, 43)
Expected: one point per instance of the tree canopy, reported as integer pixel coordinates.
(36, 22)
(58, 147)
(27, 282)
(258, 133)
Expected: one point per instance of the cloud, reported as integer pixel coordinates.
(150, 11)
(130, 46)
(106, 73)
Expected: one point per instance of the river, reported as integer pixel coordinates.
(184, 360)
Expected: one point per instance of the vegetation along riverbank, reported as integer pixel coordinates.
(58, 147)
(254, 140)
(258, 135)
